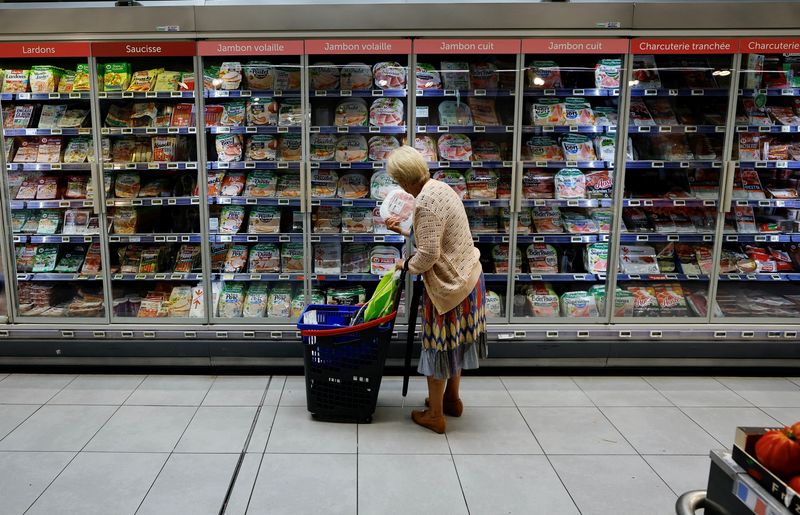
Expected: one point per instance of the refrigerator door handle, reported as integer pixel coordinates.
(727, 193)
(97, 179)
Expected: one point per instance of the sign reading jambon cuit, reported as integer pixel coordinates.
(685, 46)
(144, 49)
(467, 46)
(35, 49)
(357, 46)
(574, 46)
(250, 47)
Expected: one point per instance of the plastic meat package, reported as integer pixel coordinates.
(327, 259)
(389, 75)
(455, 147)
(387, 112)
(544, 75)
(452, 112)
(542, 258)
(355, 76)
(570, 183)
(382, 259)
(481, 184)
(426, 146)
(637, 259)
(454, 179)
(323, 76)
(351, 148)
(323, 146)
(428, 77)
(380, 147)
(578, 304)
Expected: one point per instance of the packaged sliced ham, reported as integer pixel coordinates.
(495, 307)
(484, 111)
(455, 147)
(381, 146)
(578, 147)
(387, 112)
(578, 223)
(327, 259)
(353, 185)
(229, 147)
(351, 148)
(542, 258)
(356, 220)
(426, 146)
(292, 255)
(548, 111)
(455, 75)
(380, 184)
(486, 150)
(578, 113)
(398, 204)
(326, 220)
(483, 75)
(236, 259)
(454, 179)
(355, 76)
(261, 147)
(265, 258)
(501, 259)
(605, 148)
(542, 300)
(355, 258)
(595, 258)
(640, 115)
(570, 183)
(538, 184)
(547, 220)
(542, 149)
(288, 186)
(637, 259)
(324, 183)
(231, 219)
(578, 304)
(233, 184)
(382, 259)
(264, 220)
(481, 184)
(323, 146)
(483, 220)
(261, 111)
(544, 75)
(607, 73)
(323, 76)
(599, 184)
(389, 75)
(261, 183)
(428, 77)
(452, 112)
(351, 112)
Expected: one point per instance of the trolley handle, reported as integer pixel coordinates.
(351, 329)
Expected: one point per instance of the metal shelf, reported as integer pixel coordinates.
(345, 277)
(247, 93)
(341, 202)
(255, 201)
(682, 237)
(75, 95)
(59, 277)
(161, 95)
(680, 92)
(562, 238)
(49, 166)
(567, 164)
(259, 129)
(677, 129)
(83, 131)
(254, 165)
(146, 131)
(780, 277)
(470, 164)
(761, 238)
(164, 276)
(364, 93)
(773, 129)
(768, 203)
(466, 129)
(662, 277)
(491, 238)
(770, 92)
(56, 238)
(183, 165)
(256, 238)
(338, 165)
(558, 277)
(221, 276)
(564, 92)
(357, 238)
(50, 204)
(568, 129)
(604, 202)
(642, 164)
(668, 203)
(328, 129)
(770, 164)
(154, 238)
(431, 92)
(486, 203)
(158, 201)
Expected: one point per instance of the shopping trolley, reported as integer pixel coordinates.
(344, 359)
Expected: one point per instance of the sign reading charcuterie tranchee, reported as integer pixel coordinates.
(357, 46)
(250, 47)
(467, 46)
(685, 46)
(144, 49)
(574, 46)
(30, 49)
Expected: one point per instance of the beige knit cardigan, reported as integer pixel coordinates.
(445, 255)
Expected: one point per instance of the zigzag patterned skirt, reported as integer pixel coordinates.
(454, 340)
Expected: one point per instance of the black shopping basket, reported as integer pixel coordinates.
(344, 363)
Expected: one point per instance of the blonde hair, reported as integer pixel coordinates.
(407, 166)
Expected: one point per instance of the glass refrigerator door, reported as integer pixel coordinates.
(571, 92)
(151, 179)
(679, 105)
(465, 107)
(359, 107)
(762, 219)
(254, 131)
(54, 210)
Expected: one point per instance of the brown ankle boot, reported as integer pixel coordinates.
(424, 419)
(450, 408)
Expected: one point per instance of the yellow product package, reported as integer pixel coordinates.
(16, 81)
(44, 79)
(144, 80)
(65, 85)
(167, 81)
(116, 76)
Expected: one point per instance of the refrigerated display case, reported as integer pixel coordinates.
(633, 191)
(52, 192)
(569, 147)
(359, 110)
(255, 143)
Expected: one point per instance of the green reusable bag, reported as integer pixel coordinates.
(382, 300)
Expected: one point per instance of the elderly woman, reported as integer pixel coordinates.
(453, 319)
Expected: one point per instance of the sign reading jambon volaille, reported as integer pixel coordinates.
(357, 46)
(144, 49)
(250, 47)
(29, 49)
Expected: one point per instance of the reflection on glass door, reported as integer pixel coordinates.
(358, 103)
(679, 104)
(146, 98)
(760, 260)
(54, 210)
(465, 116)
(569, 140)
(254, 135)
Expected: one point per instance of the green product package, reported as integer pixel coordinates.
(382, 300)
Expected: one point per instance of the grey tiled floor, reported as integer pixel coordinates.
(550, 445)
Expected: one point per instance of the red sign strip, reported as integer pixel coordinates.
(250, 47)
(467, 46)
(770, 45)
(144, 49)
(685, 46)
(574, 46)
(357, 46)
(31, 49)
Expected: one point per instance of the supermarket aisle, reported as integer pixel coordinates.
(555, 445)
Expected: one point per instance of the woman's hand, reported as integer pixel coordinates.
(393, 224)
(400, 264)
